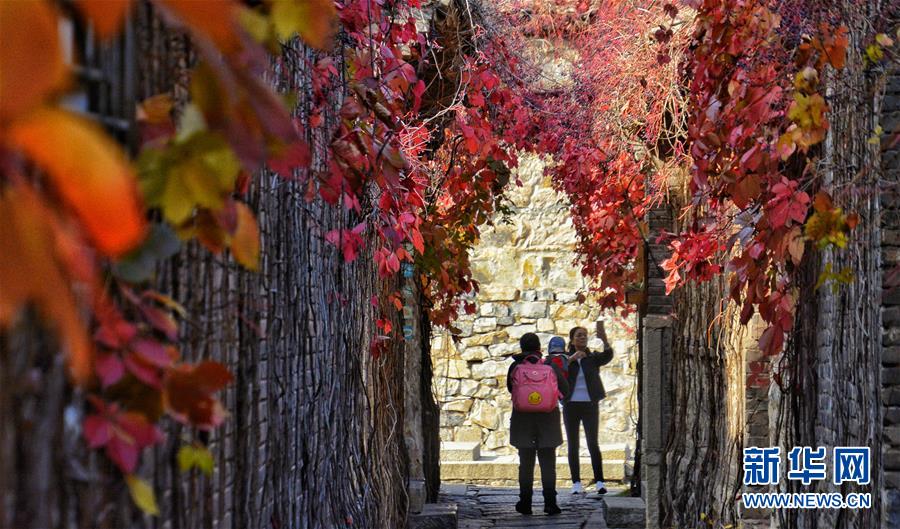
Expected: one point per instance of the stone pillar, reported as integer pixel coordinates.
(657, 344)
(412, 394)
(656, 353)
(890, 355)
(757, 428)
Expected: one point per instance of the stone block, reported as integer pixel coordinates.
(459, 405)
(624, 512)
(467, 434)
(498, 292)
(892, 435)
(890, 296)
(502, 350)
(449, 419)
(465, 327)
(461, 451)
(890, 355)
(416, 492)
(486, 309)
(545, 325)
(892, 480)
(891, 458)
(435, 516)
(891, 415)
(570, 312)
(890, 336)
(489, 369)
(890, 315)
(565, 297)
(476, 353)
(485, 324)
(485, 391)
(891, 237)
(486, 416)
(890, 376)
(890, 396)
(451, 368)
(506, 320)
(529, 295)
(498, 439)
(467, 388)
(545, 295)
(530, 309)
(516, 331)
(891, 508)
(488, 338)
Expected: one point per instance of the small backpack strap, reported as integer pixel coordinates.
(532, 359)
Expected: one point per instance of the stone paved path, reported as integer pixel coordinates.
(494, 508)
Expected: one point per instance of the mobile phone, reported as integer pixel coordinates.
(601, 331)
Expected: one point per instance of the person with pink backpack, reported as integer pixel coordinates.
(537, 384)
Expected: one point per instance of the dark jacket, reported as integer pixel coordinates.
(590, 369)
(536, 430)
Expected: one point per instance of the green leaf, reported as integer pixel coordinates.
(190, 456)
(139, 265)
(142, 495)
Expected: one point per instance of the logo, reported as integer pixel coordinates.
(534, 398)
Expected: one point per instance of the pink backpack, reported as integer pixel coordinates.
(534, 386)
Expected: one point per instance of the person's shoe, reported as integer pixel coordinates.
(601, 488)
(523, 507)
(551, 508)
(576, 488)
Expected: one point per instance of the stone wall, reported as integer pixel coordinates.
(890, 360)
(529, 283)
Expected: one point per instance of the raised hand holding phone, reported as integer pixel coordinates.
(601, 332)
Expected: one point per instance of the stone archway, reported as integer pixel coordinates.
(529, 283)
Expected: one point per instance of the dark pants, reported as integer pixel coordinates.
(547, 459)
(575, 413)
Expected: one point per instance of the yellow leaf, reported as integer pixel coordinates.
(190, 456)
(31, 63)
(884, 40)
(245, 242)
(89, 171)
(314, 20)
(197, 172)
(30, 271)
(874, 52)
(257, 25)
(106, 15)
(142, 494)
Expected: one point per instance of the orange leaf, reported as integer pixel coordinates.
(217, 20)
(89, 172)
(245, 242)
(106, 15)
(31, 272)
(188, 393)
(31, 65)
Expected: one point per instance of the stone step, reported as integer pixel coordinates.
(504, 471)
(460, 451)
(612, 451)
(625, 512)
